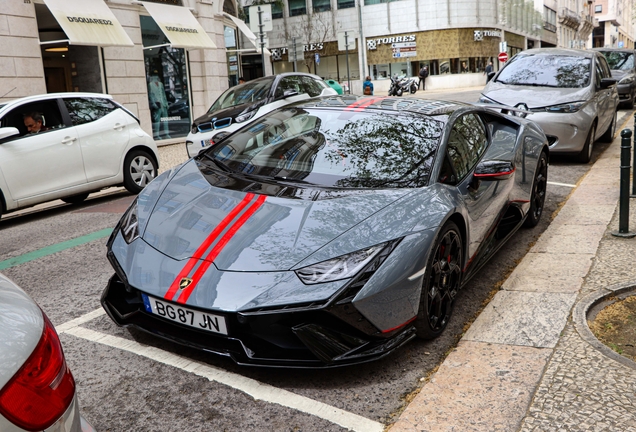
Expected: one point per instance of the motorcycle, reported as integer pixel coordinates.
(408, 85)
(394, 88)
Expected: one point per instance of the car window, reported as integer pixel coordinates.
(466, 143)
(332, 148)
(564, 71)
(607, 73)
(598, 76)
(619, 60)
(293, 83)
(250, 92)
(311, 86)
(48, 110)
(86, 110)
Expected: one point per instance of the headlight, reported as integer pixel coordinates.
(627, 80)
(244, 117)
(342, 267)
(130, 224)
(571, 107)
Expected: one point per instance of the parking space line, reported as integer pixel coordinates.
(255, 389)
(58, 247)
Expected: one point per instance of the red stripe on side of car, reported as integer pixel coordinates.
(185, 294)
(206, 244)
(356, 103)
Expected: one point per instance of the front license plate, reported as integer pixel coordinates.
(206, 143)
(187, 316)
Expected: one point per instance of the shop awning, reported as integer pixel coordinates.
(247, 32)
(179, 25)
(88, 22)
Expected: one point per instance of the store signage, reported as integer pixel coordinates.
(479, 35)
(168, 2)
(89, 20)
(373, 43)
(278, 52)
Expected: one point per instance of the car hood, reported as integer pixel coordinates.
(532, 96)
(230, 112)
(281, 232)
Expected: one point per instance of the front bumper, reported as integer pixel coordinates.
(303, 337)
(566, 133)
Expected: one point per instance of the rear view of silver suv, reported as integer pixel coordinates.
(621, 63)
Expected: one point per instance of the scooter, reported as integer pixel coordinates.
(408, 85)
(394, 88)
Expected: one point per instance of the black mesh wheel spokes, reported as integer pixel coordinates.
(444, 280)
(540, 187)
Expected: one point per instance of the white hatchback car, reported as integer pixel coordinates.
(241, 104)
(87, 142)
(37, 389)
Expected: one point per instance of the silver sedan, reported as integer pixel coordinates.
(570, 93)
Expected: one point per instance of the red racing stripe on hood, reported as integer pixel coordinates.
(366, 102)
(206, 244)
(216, 250)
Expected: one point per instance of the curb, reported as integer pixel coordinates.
(583, 307)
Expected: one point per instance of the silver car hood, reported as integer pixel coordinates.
(532, 96)
(21, 325)
(281, 233)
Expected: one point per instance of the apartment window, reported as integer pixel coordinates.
(277, 10)
(297, 7)
(344, 4)
(598, 8)
(549, 19)
(321, 5)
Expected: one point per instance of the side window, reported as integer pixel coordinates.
(599, 74)
(606, 69)
(86, 110)
(35, 117)
(466, 143)
(289, 83)
(311, 86)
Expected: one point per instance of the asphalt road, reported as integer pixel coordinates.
(131, 381)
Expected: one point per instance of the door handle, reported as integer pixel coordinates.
(68, 140)
(118, 126)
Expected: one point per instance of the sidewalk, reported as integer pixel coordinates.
(529, 362)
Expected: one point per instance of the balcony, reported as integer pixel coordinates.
(569, 18)
(588, 23)
(549, 27)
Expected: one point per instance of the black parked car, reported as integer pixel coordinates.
(621, 62)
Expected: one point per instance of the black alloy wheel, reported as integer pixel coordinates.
(539, 189)
(441, 283)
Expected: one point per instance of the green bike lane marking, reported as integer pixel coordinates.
(68, 244)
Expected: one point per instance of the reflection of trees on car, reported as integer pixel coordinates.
(385, 150)
(619, 60)
(548, 71)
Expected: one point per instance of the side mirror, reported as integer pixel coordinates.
(607, 82)
(7, 132)
(490, 76)
(494, 170)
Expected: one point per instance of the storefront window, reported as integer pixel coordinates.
(232, 57)
(321, 5)
(277, 11)
(345, 4)
(167, 82)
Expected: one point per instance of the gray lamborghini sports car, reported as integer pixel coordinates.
(328, 232)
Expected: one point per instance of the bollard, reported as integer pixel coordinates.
(623, 220)
(633, 195)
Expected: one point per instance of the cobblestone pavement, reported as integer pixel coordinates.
(530, 362)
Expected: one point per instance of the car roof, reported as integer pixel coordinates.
(627, 50)
(47, 96)
(558, 52)
(396, 104)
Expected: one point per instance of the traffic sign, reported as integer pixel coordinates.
(503, 57)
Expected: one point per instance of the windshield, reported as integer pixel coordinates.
(333, 148)
(619, 60)
(250, 92)
(563, 71)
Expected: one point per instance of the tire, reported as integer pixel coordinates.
(413, 89)
(139, 169)
(610, 133)
(75, 199)
(586, 153)
(539, 189)
(441, 283)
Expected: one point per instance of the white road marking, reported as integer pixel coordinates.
(561, 184)
(256, 389)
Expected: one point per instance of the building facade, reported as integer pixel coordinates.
(164, 60)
